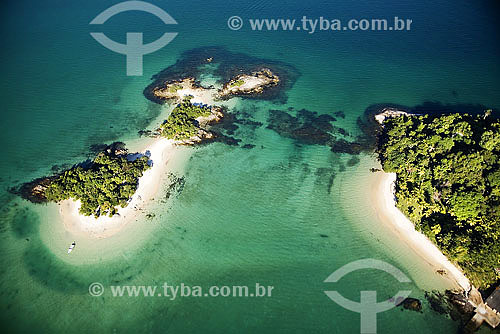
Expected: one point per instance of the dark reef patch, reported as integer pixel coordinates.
(233, 121)
(339, 114)
(309, 128)
(229, 64)
(325, 176)
(175, 186)
(353, 161)
(20, 222)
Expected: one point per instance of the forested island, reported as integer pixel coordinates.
(448, 184)
(100, 185)
(184, 121)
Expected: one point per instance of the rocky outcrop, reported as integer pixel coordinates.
(202, 136)
(170, 90)
(204, 133)
(249, 84)
(34, 191)
(389, 113)
(412, 304)
(215, 117)
(454, 303)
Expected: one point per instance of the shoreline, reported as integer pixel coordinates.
(161, 151)
(383, 198)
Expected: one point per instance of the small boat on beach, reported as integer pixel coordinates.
(71, 247)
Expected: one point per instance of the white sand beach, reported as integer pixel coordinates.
(200, 95)
(384, 202)
(161, 151)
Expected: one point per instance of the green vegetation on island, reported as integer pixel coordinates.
(237, 83)
(174, 88)
(448, 184)
(182, 124)
(110, 181)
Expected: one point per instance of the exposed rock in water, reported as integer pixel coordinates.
(453, 303)
(147, 133)
(389, 113)
(116, 148)
(412, 304)
(193, 63)
(249, 84)
(202, 136)
(34, 191)
(169, 90)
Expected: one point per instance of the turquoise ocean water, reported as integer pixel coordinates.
(284, 213)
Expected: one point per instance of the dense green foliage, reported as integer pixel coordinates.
(109, 182)
(448, 184)
(182, 124)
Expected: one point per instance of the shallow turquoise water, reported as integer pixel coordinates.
(244, 216)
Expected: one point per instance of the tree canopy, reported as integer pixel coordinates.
(448, 184)
(109, 182)
(182, 124)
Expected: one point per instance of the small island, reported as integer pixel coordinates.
(249, 84)
(101, 185)
(188, 121)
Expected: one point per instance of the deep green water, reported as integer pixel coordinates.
(244, 215)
